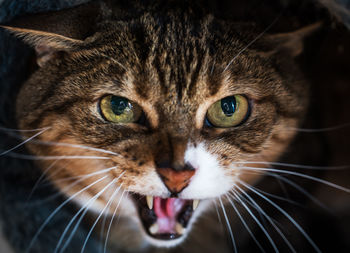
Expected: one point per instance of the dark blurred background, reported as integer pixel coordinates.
(325, 63)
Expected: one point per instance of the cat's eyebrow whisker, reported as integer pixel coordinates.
(298, 166)
(83, 210)
(58, 209)
(253, 41)
(244, 223)
(301, 230)
(319, 180)
(111, 222)
(259, 208)
(23, 142)
(228, 225)
(258, 223)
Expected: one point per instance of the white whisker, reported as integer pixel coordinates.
(83, 209)
(298, 166)
(38, 158)
(40, 179)
(245, 224)
(258, 222)
(84, 176)
(299, 188)
(259, 208)
(5, 129)
(228, 226)
(301, 230)
(58, 209)
(22, 143)
(98, 218)
(299, 175)
(318, 130)
(110, 223)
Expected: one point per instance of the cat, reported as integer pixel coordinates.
(156, 116)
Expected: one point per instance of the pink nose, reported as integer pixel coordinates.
(175, 180)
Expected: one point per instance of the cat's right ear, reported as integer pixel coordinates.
(52, 32)
(292, 42)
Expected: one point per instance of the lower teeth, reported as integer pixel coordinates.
(154, 229)
(178, 228)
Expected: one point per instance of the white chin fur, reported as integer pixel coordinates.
(210, 179)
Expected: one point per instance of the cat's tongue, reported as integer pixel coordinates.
(167, 211)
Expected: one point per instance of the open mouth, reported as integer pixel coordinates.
(165, 219)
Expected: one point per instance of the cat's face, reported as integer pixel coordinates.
(152, 115)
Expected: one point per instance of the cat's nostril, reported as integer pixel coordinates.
(163, 164)
(188, 166)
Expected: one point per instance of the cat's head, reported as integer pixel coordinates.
(160, 115)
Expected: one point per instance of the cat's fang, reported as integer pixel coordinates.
(154, 229)
(149, 200)
(195, 204)
(180, 229)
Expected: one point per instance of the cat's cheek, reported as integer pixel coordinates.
(210, 180)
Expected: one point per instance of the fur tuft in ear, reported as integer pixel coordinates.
(51, 32)
(292, 42)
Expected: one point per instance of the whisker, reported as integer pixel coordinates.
(83, 209)
(38, 158)
(57, 210)
(228, 226)
(40, 179)
(110, 223)
(298, 166)
(63, 144)
(273, 195)
(318, 130)
(299, 188)
(22, 143)
(218, 214)
(301, 230)
(5, 129)
(253, 41)
(98, 218)
(259, 208)
(84, 176)
(258, 223)
(300, 175)
(67, 188)
(245, 224)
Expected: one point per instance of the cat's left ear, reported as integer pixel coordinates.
(51, 32)
(292, 42)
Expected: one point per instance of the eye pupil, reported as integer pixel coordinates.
(228, 106)
(118, 105)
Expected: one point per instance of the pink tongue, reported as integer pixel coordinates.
(167, 211)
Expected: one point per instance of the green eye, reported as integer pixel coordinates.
(119, 110)
(228, 112)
